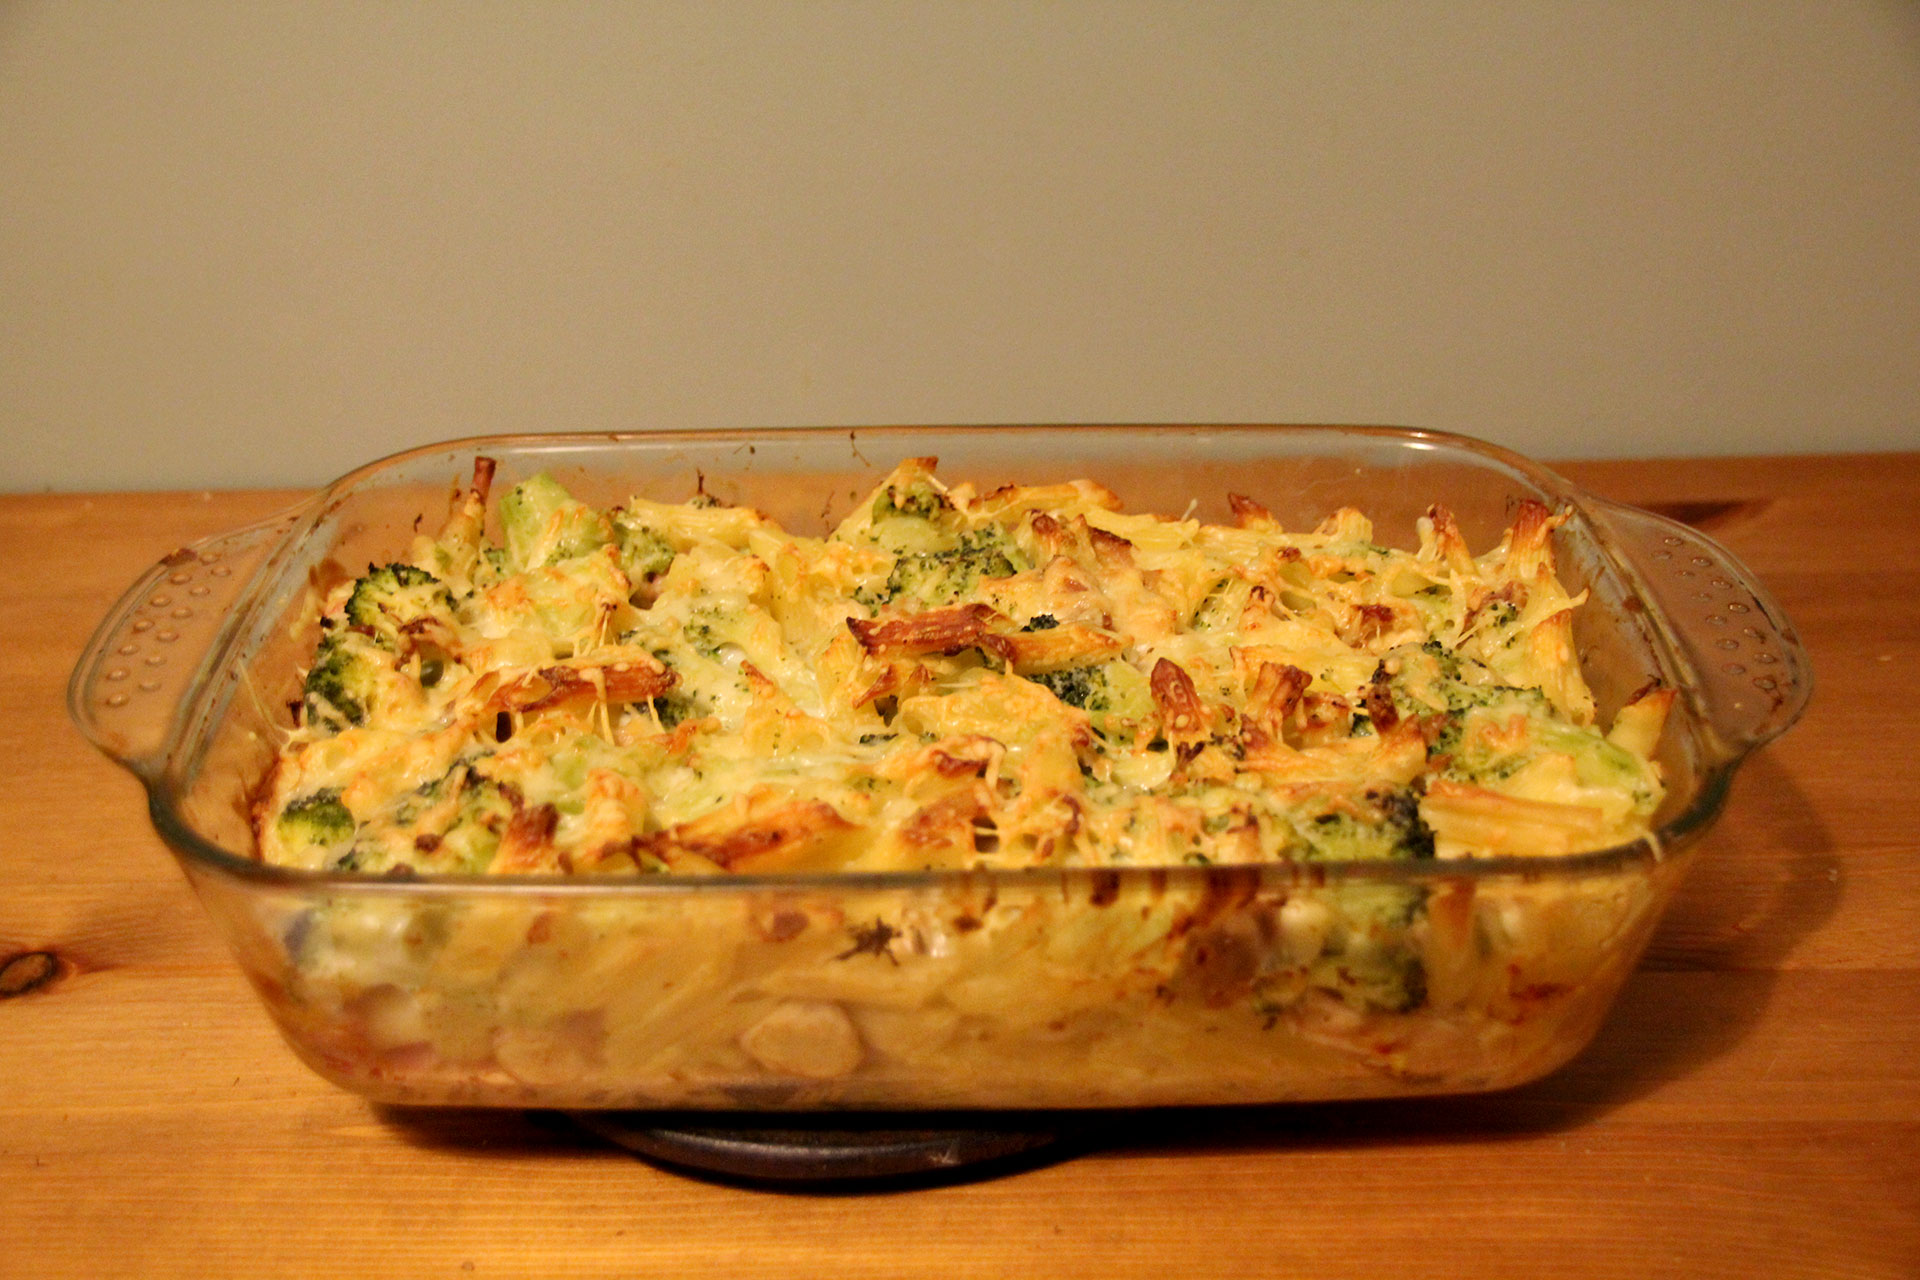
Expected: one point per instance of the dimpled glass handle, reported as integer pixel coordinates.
(133, 676)
(1754, 674)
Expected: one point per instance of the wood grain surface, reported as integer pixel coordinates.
(1751, 1108)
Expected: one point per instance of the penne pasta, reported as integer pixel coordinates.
(690, 688)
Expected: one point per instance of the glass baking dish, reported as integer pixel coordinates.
(1058, 988)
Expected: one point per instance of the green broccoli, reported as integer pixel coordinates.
(920, 501)
(1116, 697)
(391, 596)
(470, 841)
(934, 578)
(1083, 687)
(1223, 604)
(315, 821)
(1369, 961)
(1447, 663)
(1480, 757)
(1394, 830)
(491, 567)
(460, 837)
(545, 524)
(678, 706)
(1413, 838)
(707, 631)
(912, 519)
(341, 686)
(644, 553)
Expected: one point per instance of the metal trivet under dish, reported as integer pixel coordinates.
(828, 1150)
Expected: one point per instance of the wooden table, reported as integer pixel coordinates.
(1751, 1109)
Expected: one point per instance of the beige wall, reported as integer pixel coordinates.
(257, 243)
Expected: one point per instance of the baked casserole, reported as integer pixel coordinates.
(949, 680)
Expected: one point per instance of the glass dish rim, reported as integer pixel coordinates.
(163, 791)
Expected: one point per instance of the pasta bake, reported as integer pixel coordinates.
(951, 679)
(970, 684)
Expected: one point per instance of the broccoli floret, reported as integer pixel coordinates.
(545, 524)
(678, 704)
(315, 821)
(1083, 687)
(644, 553)
(675, 707)
(1116, 698)
(341, 687)
(1041, 622)
(1444, 658)
(1494, 629)
(941, 577)
(1474, 756)
(470, 841)
(460, 818)
(1340, 837)
(912, 517)
(705, 632)
(1480, 752)
(391, 596)
(1413, 838)
(1393, 830)
(1222, 605)
(919, 502)
(1369, 961)
(934, 578)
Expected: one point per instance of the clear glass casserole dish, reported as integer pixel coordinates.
(1047, 988)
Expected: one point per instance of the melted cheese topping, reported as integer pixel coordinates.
(1031, 676)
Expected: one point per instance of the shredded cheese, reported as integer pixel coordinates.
(1030, 676)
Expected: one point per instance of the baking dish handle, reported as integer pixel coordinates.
(128, 687)
(1754, 676)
